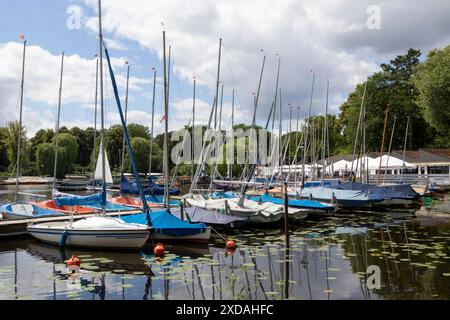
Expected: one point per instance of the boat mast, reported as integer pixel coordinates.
(389, 149)
(166, 127)
(382, 145)
(289, 145)
(221, 107)
(19, 142)
(152, 125)
(126, 115)
(216, 101)
(230, 165)
(404, 149)
(193, 131)
(55, 166)
(324, 137)
(307, 132)
(357, 132)
(102, 111)
(95, 120)
(297, 145)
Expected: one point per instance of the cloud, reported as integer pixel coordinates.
(42, 73)
(330, 38)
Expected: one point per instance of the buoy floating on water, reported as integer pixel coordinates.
(231, 245)
(159, 250)
(73, 261)
(73, 264)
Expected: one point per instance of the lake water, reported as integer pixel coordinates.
(328, 259)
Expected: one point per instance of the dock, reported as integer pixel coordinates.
(9, 228)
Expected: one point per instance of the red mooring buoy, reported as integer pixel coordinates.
(159, 250)
(73, 261)
(231, 245)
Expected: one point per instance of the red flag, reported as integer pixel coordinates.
(163, 118)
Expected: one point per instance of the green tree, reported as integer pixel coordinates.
(391, 88)
(137, 130)
(432, 79)
(70, 146)
(141, 151)
(45, 159)
(12, 143)
(42, 136)
(4, 163)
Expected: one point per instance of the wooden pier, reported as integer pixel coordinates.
(9, 228)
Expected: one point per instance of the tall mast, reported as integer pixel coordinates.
(307, 132)
(216, 99)
(382, 146)
(152, 125)
(166, 128)
(126, 115)
(19, 142)
(55, 166)
(230, 165)
(324, 137)
(193, 131)
(357, 131)
(289, 145)
(221, 107)
(217, 84)
(404, 149)
(389, 149)
(281, 139)
(102, 111)
(297, 144)
(95, 119)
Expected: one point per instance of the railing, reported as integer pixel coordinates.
(439, 179)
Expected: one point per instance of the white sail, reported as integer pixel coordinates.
(98, 169)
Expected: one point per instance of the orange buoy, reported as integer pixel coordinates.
(159, 250)
(73, 261)
(231, 244)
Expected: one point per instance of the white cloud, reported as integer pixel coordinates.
(42, 72)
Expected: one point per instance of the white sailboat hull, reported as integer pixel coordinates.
(250, 210)
(119, 236)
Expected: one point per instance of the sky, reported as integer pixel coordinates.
(340, 41)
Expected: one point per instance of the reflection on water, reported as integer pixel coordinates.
(327, 259)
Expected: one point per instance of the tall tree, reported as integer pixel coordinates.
(432, 79)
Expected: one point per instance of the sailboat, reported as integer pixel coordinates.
(19, 210)
(99, 231)
(165, 225)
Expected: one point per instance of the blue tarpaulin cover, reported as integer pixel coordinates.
(78, 200)
(404, 191)
(306, 204)
(153, 189)
(164, 222)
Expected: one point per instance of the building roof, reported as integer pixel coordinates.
(425, 156)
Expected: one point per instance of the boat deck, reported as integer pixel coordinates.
(18, 227)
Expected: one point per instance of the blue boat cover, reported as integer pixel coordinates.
(164, 222)
(153, 189)
(78, 200)
(326, 194)
(402, 191)
(37, 211)
(111, 207)
(306, 204)
(209, 217)
(160, 199)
